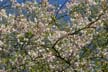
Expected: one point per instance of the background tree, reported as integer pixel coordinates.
(37, 37)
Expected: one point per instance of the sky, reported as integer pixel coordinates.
(50, 1)
(4, 3)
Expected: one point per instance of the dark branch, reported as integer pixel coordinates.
(76, 32)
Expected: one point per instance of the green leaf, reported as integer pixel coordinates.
(28, 34)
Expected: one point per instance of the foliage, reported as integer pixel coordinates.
(36, 38)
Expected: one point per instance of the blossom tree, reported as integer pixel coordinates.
(44, 37)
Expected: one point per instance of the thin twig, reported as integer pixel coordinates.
(61, 7)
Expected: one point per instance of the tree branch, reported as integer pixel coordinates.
(75, 32)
